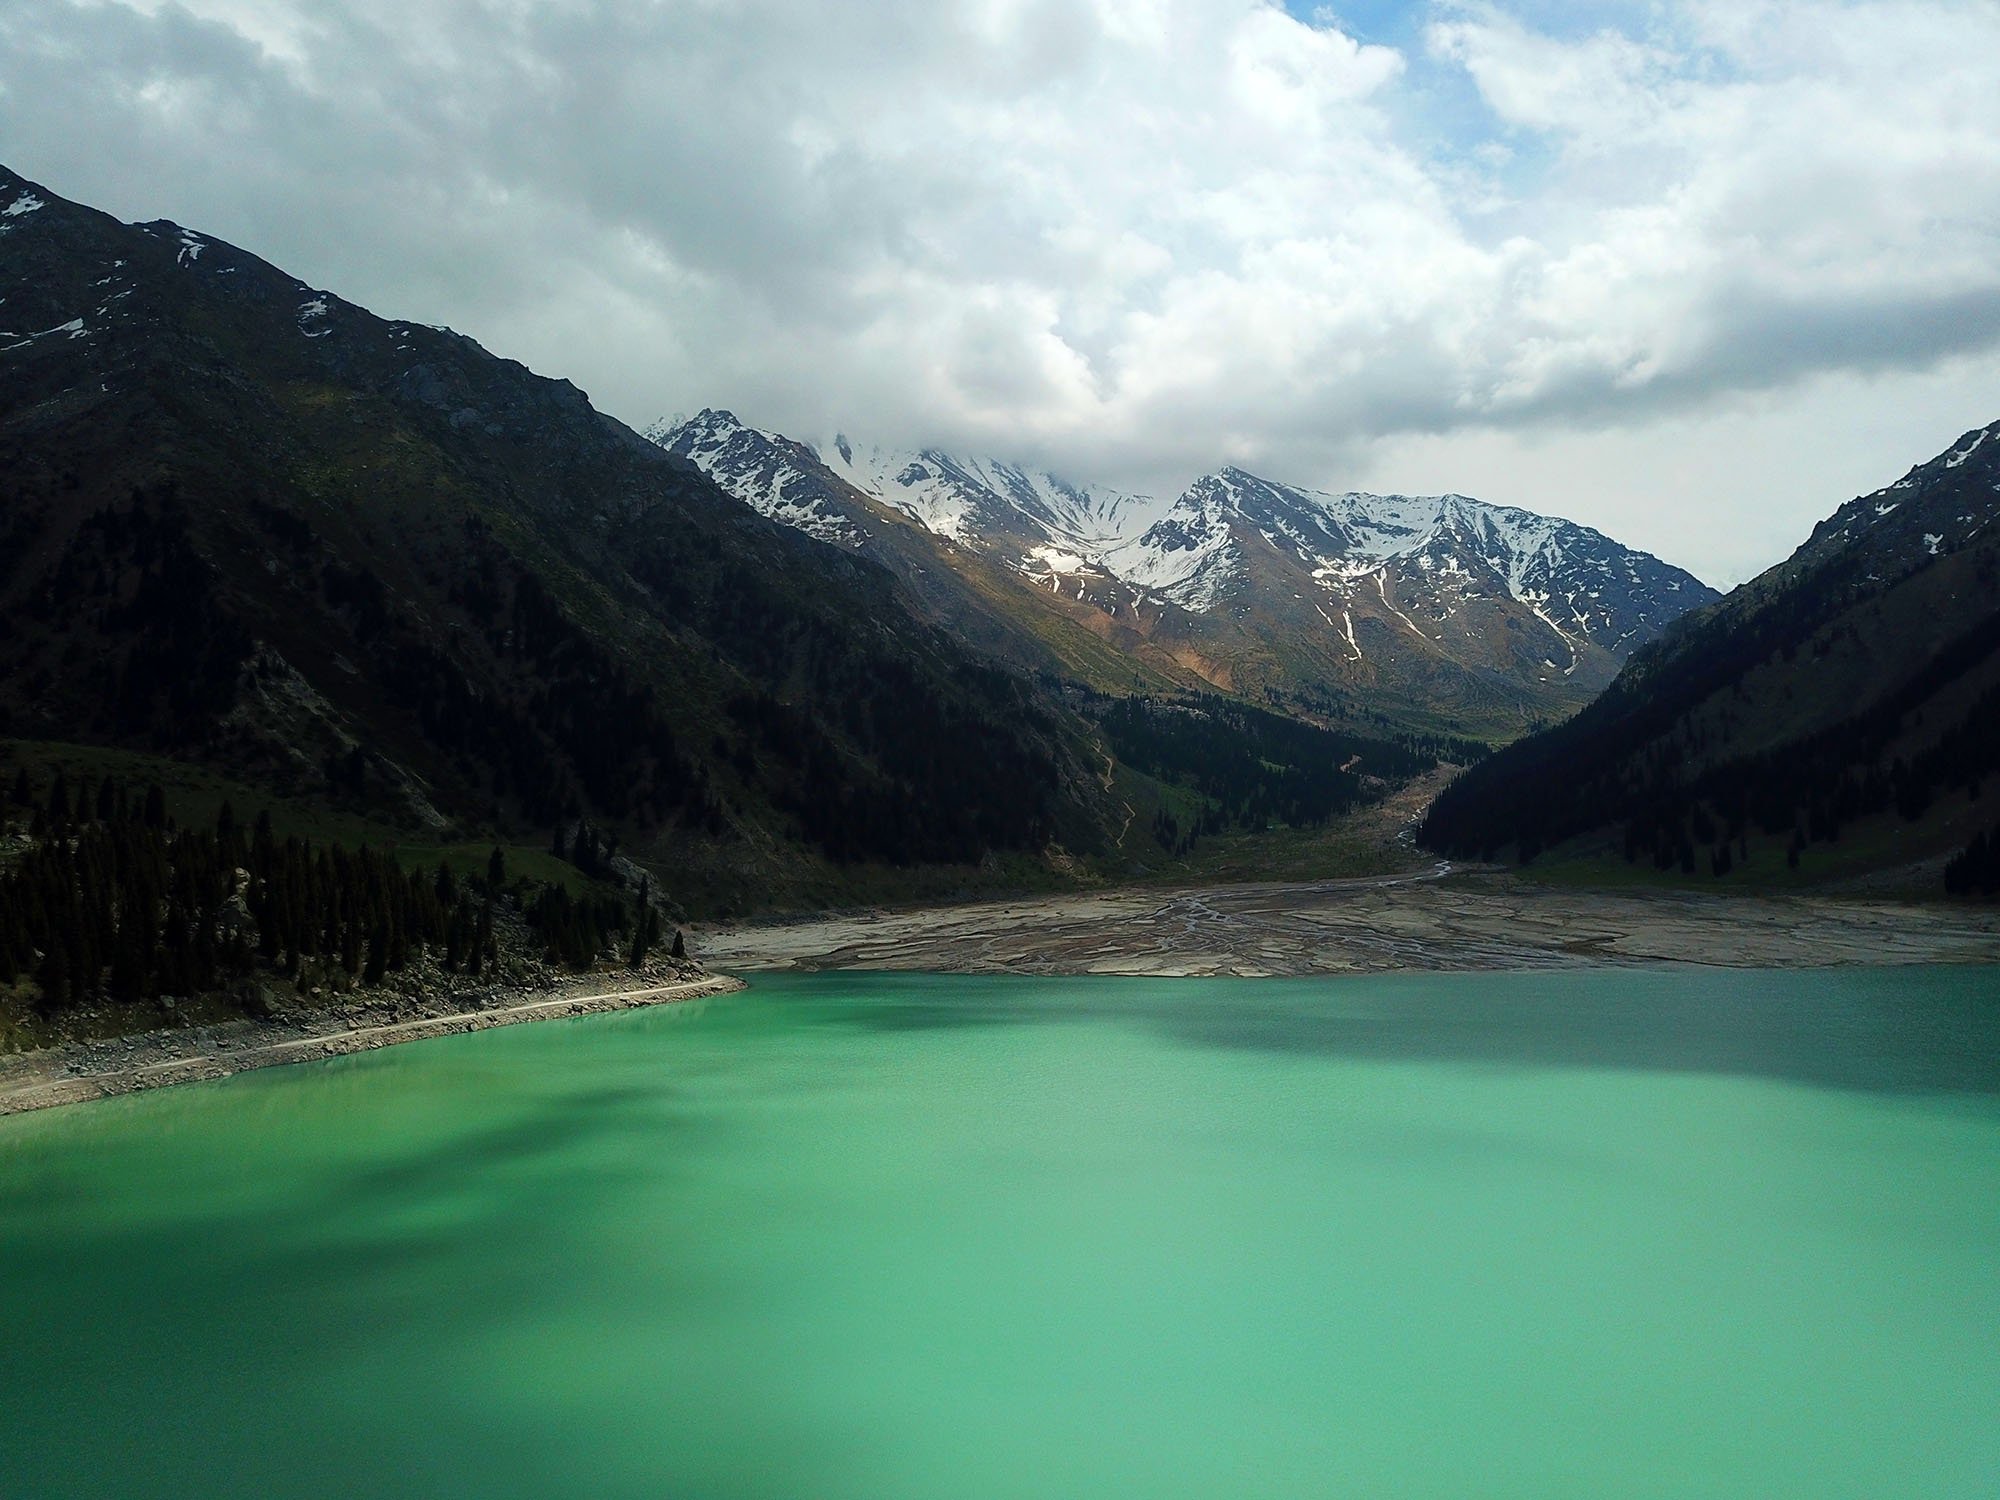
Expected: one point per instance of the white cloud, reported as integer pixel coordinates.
(1134, 237)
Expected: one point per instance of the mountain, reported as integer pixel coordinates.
(1840, 712)
(1437, 600)
(1430, 612)
(1439, 555)
(247, 524)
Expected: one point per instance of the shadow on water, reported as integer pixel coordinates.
(546, 1134)
(1890, 1030)
(420, 1231)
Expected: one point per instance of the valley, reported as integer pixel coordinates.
(505, 687)
(968, 751)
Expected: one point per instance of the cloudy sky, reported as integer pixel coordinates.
(1691, 271)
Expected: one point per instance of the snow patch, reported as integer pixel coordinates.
(1047, 559)
(73, 328)
(1953, 460)
(27, 203)
(311, 310)
(1382, 588)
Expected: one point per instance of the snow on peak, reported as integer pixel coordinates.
(1341, 536)
(1943, 501)
(1220, 538)
(761, 469)
(971, 500)
(27, 203)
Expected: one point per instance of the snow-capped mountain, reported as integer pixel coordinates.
(773, 475)
(982, 501)
(1470, 613)
(1424, 556)
(990, 551)
(975, 502)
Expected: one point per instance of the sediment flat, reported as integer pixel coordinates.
(83, 1071)
(1439, 919)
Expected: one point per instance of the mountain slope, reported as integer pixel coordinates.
(248, 523)
(1855, 685)
(1432, 612)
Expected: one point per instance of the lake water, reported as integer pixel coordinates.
(1588, 1234)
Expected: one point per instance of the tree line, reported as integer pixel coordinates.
(1252, 768)
(114, 900)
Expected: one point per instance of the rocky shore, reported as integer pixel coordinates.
(97, 1069)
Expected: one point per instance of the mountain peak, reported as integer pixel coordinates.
(774, 476)
(1939, 507)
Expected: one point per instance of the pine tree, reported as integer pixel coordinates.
(53, 977)
(643, 923)
(483, 947)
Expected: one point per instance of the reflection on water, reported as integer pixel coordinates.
(1514, 1235)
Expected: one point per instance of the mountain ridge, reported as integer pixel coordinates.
(1854, 684)
(1259, 587)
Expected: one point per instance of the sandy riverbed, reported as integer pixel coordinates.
(123, 1065)
(1466, 921)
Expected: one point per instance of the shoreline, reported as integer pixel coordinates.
(1442, 919)
(48, 1079)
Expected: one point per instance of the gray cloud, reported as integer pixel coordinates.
(1132, 238)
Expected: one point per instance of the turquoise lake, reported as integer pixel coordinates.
(1590, 1234)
